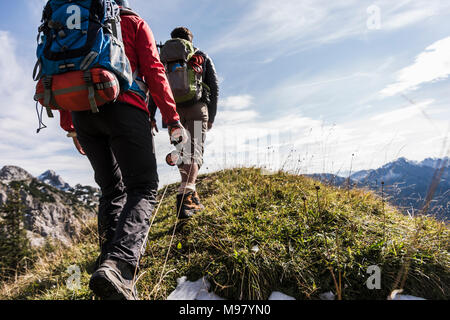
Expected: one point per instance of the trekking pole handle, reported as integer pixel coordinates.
(176, 135)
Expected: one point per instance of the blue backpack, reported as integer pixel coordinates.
(77, 36)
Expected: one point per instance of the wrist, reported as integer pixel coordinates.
(174, 124)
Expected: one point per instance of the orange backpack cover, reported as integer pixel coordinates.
(77, 90)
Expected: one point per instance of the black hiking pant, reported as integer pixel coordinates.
(119, 144)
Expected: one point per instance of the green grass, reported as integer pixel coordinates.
(261, 233)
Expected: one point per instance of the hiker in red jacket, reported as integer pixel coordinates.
(119, 145)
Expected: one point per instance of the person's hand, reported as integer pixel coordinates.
(210, 125)
(177, 134)
(154, 126)
(78, 146)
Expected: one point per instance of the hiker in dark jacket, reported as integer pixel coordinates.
(198, 118)
(119, 145)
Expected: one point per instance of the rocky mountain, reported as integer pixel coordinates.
(13, 173)
(436, 163)
(51, 178)
(53, 208)
(407, 184)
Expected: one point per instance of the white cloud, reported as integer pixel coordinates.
(36, 7)
(268, 22)
(19, 143)
(233, 117)
(310, 145)
(405, 18)
(430, 66)
(236, 109)
(12, 73)
(236, 102)
(402, 114)
(302, 24)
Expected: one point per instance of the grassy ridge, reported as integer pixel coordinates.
(262, 233)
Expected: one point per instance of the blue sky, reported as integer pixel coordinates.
(307, 85)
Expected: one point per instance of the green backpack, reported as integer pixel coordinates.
(184, 70)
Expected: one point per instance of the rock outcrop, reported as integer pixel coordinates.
(50, 212)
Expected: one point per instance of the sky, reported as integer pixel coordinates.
(307, 86)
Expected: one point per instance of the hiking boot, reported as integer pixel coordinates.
(99, 260)
(196, 200)
(95, 265)
(113, 280)
(188, 205)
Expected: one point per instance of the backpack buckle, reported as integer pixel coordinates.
(55, 25)
(62, 34)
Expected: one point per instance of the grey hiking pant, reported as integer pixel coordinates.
(119, 144)
(194, 119)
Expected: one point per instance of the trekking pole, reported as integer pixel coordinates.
(171, 242)
(144, 244)
(176, 140)
(159, 46)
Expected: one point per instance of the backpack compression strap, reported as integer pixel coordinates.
(48, 95)
(87, 76)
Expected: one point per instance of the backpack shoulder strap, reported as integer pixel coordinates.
(46, 13)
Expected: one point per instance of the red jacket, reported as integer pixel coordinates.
(141, 50)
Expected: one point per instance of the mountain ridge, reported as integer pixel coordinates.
(405, 183)
(53, 209)
(50, 177)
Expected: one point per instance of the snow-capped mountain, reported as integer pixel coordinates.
(407, 184)
(52, 209)
(436, 163)
(51, 178)
(403, 171)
